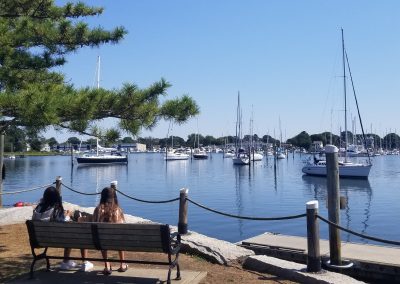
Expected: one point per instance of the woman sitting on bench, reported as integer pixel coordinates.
(109, 211)
(49, 209)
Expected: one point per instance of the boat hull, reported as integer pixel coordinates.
(256, 157)
(102, 160)
(200, 156)
(241, 160)
(345, 171)
(176, 156)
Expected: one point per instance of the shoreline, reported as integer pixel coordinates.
(223, 261)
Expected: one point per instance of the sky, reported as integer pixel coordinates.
(284, 57)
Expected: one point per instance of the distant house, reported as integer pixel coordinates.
(132, 147)
(317, 145)
(45, 148)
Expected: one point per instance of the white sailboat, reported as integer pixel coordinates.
(175, 154)
(346, 168)
(199, 153)
(241, 157)
(254, 154)
(280, 152)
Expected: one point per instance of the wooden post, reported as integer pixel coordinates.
(114, 184)
(343, 202)
(58, 184)
(72, 156)
(332, 174)
(1, 167)
(183, 208)
(313, 256)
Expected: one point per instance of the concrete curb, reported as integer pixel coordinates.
(294, 271)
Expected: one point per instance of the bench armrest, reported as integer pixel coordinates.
(175, 239)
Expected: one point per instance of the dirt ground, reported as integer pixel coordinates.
(15, 259)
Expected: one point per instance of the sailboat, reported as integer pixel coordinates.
(175, 154)
(254, 154)
(280, 152)
(199, 153)
(103, 155)
(346, 168)
(241, 157)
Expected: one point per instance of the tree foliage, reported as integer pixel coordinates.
(301, 140)
(36, 36)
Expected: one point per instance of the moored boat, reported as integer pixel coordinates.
(93, 159)
(175, 155)
(346, 167)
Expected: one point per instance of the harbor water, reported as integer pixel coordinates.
(260, 190)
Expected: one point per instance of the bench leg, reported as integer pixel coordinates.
(31, 271)
(178, 272)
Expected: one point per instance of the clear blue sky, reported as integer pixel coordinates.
(283, 56)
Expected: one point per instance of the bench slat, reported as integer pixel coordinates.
(129, 238)
(74, 235)
(65, 244)
(141, 232)
(133, 248)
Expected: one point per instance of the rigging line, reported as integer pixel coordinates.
(358, 109)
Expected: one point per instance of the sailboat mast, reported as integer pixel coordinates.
(98, 73)
(237, 125)
(345, 100)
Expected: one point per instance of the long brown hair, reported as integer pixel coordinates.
(109, 210)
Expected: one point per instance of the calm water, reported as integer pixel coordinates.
(373, 205)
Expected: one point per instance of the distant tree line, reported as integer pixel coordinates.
(17, 140)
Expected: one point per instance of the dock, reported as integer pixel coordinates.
(370, 261)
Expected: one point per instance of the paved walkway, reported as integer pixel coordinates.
(133, 275)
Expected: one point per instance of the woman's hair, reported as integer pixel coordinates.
(51, 199)
(109, 210)
(109, 196)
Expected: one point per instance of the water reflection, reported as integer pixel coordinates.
(352, 189)
(241, 174)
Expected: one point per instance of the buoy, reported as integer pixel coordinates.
(19, 204)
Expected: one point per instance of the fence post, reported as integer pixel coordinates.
(332, 174)
(183, 207)
(114, 184)
(58, 184)
(313, 256)
(1, 167)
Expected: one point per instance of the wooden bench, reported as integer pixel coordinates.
(104, 236)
